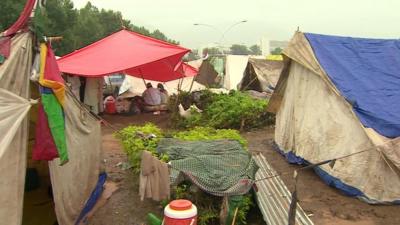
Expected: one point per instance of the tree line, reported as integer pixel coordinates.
(78, 27)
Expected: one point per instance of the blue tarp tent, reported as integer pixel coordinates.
(367, 74)
(336, 97)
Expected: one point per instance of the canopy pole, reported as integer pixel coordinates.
(191, 84)
(141, 74)
(180, 84)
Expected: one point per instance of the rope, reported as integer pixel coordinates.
(316, 164)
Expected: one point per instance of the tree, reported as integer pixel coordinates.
(9, 12)
(276, 51)
(77, 27)
(212, 51)
(239, 50)
(255, 50)
(193, 55)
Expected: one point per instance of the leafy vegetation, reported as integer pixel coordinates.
(208, 133)
(235, 110)
(135, 139)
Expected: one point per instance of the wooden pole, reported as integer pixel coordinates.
(234, 216)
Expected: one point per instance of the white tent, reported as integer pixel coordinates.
(235, 66)
(72, 183)
(321, 109)
(133, 86)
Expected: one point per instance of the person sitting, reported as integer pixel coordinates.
(151, 96)
(163, 93)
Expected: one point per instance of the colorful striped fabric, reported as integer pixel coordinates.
(52, 91)
(50, 75)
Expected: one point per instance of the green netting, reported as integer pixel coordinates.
(219, 167)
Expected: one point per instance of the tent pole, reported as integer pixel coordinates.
(141, 74)
(180, 84)
(191, 84)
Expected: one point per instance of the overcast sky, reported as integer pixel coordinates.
(271, 19)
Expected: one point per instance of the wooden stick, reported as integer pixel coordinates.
(58, 38)
(234, 216)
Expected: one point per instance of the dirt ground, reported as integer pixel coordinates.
(326, 205)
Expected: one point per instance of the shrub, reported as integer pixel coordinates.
(208, 133)
(235, 110)
(135, 139)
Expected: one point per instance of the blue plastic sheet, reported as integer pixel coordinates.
(367, 73)
(91, 202)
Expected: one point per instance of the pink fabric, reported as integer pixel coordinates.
(44, 148)
(22, 20)
(5, 46)
(126, 52)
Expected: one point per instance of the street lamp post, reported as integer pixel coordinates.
(219, 31)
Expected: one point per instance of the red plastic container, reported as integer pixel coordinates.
(110, 105)
(180, 212)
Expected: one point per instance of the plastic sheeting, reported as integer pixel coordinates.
(74, 182)
(14, 77)
(13, 110)
(367, 73)
(219, 167)
(234, 68)
(261, 75)
(126, 52)
(316, 125)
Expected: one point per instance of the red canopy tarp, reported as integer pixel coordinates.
(127, 52)
(186, 70)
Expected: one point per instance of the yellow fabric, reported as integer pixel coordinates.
(57, 87)
(275, 57)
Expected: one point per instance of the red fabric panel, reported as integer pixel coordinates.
(188, 70)
(5, 46)
(22, 20)
(44, 148)
(128, 52)
(51, 70)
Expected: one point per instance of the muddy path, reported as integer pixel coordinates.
(326, 205)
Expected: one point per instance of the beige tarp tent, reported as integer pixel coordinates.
(72, 183)
(316, 123)
(207, 75)
(261, 75)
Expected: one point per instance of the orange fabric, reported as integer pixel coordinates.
(50, 75)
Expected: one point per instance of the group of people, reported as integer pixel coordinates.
(155, 96)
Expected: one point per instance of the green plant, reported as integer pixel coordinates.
(208, 216)
(243, 208)
(209, 133)
(207, 205)
(235, 110)
(135, 139)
